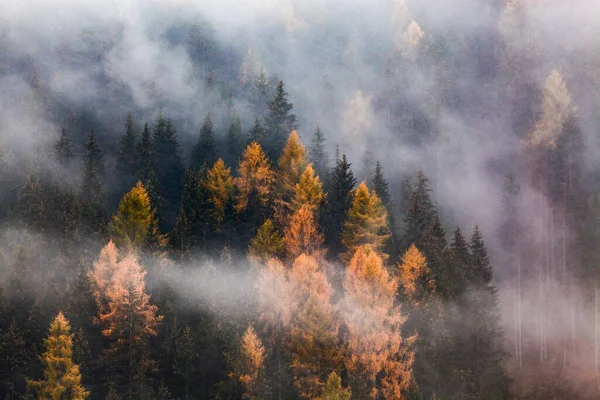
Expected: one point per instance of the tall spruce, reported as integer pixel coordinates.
(339, 202)
(205, 150)
(419, 212)
(63, 149)
(318, 154)
(279, 121)
(127, 157)
(94, 213)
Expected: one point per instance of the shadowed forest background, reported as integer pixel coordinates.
(287, 199)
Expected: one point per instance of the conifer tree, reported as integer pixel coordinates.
(318, 154)
(62, 379)
(251, 366)
(315, 350)
(256, 133)
(268, 243)
(279, 121)
(205, 150)
(218, 186)
(366, 223)
(419, 212)
(339, 202)
(135, 226)
(333, 389)
(235, 141)
(380, 360)
(290, 167)
(126, 158)
(302, 235)
(127, 318)
(92, 192)
(260, 94)
(417, 280)
(381, 188)
(309, 191)
(254, 177)
(145, 161)
(63, 149)
(168, 170)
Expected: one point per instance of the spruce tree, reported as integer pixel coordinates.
(145, 161)
(62, 379)
(318, 154)
(381, 188)
(92, 192)
(279, 121)
(63, 149)
(205, 150)
(235, 142)
(268, 243)
(419, 212)
(256, 133)
(126, 158)
(261, 90)
(339, 202)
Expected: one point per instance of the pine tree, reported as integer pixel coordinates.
(205, 150)
(192, 216)
(256, 133)
(63, 149)
(380, 360)
(339, 202)
(381, 188)
(62, 376)
(333, 389)
(145, 170)
(318, 154)
(366, 223)
(279, 122)
(302, 235)
(126, 158)
(268, 243)
(135, 226)
(127, 318)
(235, 141)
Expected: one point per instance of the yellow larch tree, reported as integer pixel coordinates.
(308, 191)
(366, 223)
(416, 278)
(255, 177)
(135, 224)
(126, 316)
(251, 367)
(380, 360)
(219, 185)
(302, 235)
(62, 379)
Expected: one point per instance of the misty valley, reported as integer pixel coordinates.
(299, 199)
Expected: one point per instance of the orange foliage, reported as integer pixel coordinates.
(302, 235)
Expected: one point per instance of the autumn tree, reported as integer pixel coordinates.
(366, 223)
(62, 379)
(219, 185)
(302, 234)
(268, 243)
(255, 175)
(308, 191)
(127, 319)
(250, 368)
(314, 344)
(333, 389)
(134, 226)
(380, 359)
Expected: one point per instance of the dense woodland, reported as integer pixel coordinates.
(254, 259)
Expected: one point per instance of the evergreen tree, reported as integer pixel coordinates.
(127, 162)
(145, 170)
(260, 94)
(381, 188)
(339, 202)
(318, 154)
(92, 192)
(63, 149)
(62, 376)
(205, 150)
(366, 223)
(135, 226)
(235, 142)
(279, 121)
(419, 213)
(168, 169)
(257, 133)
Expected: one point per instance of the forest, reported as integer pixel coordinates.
(300, 199)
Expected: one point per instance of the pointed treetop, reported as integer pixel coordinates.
(63, 149)
(380, 185)
(309, 191)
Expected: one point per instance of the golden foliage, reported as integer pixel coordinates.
(267, 244)
(219, 186)
(252, 364)
(416, 278)
(309, 191)
(380, 360)
(366, 223)
(302, 235)
(255, 175)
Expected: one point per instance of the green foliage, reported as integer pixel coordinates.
(333, 389)
(205, 150)
(267, 243)
(279, 121)
(339, 202)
